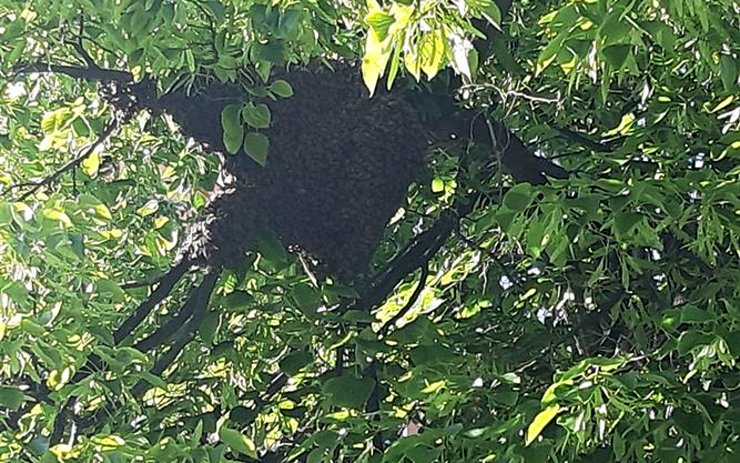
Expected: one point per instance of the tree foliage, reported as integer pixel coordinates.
(559, 284)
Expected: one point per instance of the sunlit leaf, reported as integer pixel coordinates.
(540, 421)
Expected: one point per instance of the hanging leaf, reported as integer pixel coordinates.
(490, 11)
(432, 50)
(11, 397)
(257, 145)
(233, 128)
(374, 61)
(461, 50)
(616, 54)
(380, 22)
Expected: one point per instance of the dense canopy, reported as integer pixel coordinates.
(342, 231)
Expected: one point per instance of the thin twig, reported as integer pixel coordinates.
(35, 186)
(149, 281)
(581, 139)
(80, 48)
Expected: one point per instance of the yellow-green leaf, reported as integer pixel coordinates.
(380, 22)
(107, 443)
(375, 60)
(624, 127)
(91, 164)
(542, 419)
(58, 216)
(432, 50)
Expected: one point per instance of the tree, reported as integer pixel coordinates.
(348, 231)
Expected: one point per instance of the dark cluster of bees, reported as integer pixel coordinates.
(339, 166)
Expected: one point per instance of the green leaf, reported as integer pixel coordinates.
(625, 222)
(209, 327)
(273, 51)
(693, 314)
(307, 297)
(257, 145)
(423, 453)
(289, 25)
(238, 300)
(257, 116)
(294, 362)
(689, 340)
(617, 54)
(550, 52)
(243, 415)
(348, 391)
(615, 29)
(540, 422)
(490, 11)
(237, 441)
(233, 128)
(197, 434)
(271, 248)
(11, 397)
(519, 197)
(91, 203)
(281, 88)
(728, 72)
(216, 8)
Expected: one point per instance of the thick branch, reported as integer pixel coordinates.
(201, 295)
(158, 295)
(165, 332)
(86, 73)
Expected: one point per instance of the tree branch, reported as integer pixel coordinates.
(94, 74)
(148, 281)
(158, 295)
(166, 331)
(410, 303)
(35, 186)
(201, 295)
